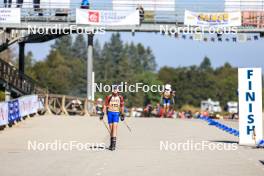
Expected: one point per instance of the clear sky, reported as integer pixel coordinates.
(178, 52)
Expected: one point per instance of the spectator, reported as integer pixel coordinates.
(170, 112)
(36, 4)
(158, 111)
(182, 115)
(19, 3)
(148, 110)
(7, 3)
(188, 114)
(141, 12)
(85, 4)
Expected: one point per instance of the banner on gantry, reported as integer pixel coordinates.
(222, 19)
(107, 18)
(10, 15)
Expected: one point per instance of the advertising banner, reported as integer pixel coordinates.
(3, 113)
(250, 105)
(17, 108)
(13, 111)
(28, 105)
(107, 18)
(10, 15)
(223, 19)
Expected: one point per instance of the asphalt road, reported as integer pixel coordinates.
(141, 152)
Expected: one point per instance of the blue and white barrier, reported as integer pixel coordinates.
(259, 144)
(17, 108)
(220, 125)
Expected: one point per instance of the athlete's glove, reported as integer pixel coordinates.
(101, 116)
(122, 117)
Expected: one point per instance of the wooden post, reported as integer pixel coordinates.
(63, 109)
(85, 107)
(47, 104)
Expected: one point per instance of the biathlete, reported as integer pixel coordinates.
(167, 98)
(114, 108)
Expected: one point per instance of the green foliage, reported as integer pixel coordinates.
(29, 63)
(64, 46)
(2, 96)
(64, 72)
(194, 84)
(191, 108)
(206, 64)
(79, 48)
(64, 69)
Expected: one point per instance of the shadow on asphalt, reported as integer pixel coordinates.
(225, 141)
(2, 128)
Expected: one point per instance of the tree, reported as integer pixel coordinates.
(29, 63)
(79, 48)
(206, 64)
(64, 69)
(64, 46)
(53, 73)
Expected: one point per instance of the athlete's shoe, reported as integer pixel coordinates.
(112, 144)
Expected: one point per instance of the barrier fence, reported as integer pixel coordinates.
(67, 105)
(232, 131)
(16, 109)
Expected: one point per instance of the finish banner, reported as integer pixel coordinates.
(10, 15)
(107, 18)
(250, 105)
(222, 19)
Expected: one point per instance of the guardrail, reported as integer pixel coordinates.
(18, 81)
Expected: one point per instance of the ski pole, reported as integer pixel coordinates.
(127, 126)
(106, 126)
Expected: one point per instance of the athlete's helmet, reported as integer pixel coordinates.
(115, 88)
(99, 100)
